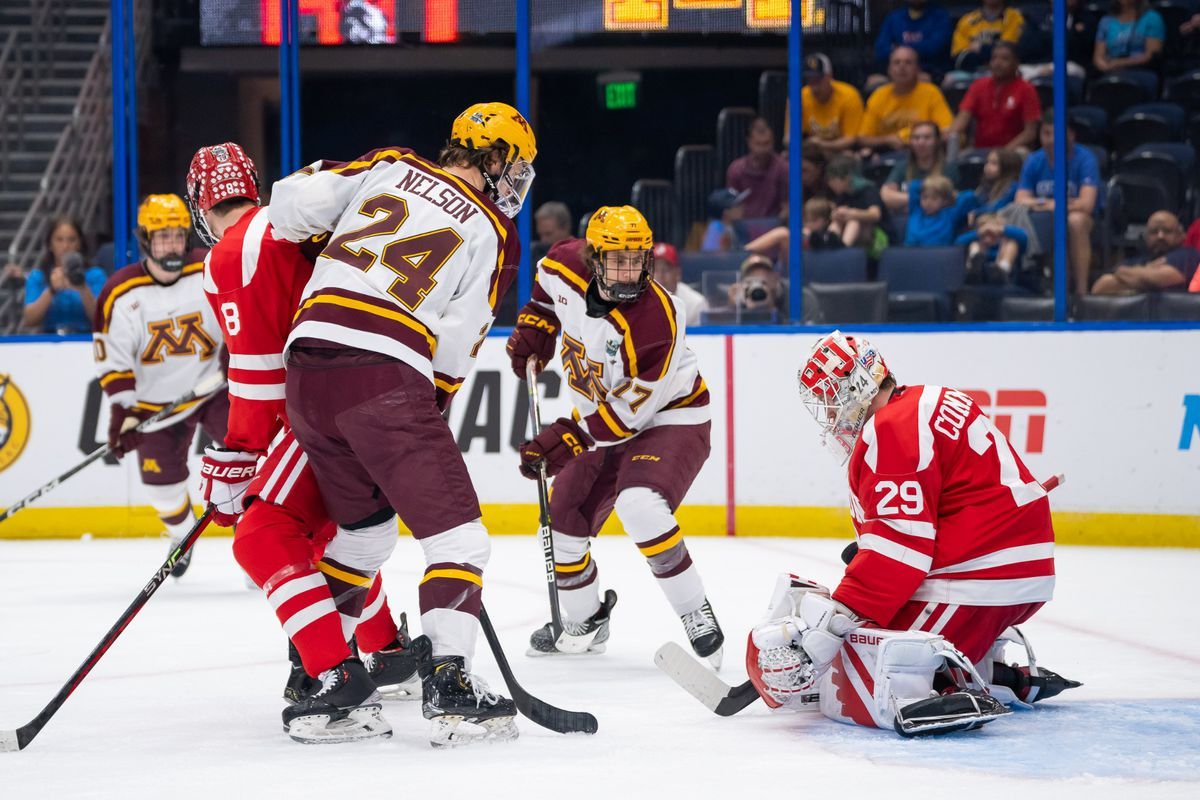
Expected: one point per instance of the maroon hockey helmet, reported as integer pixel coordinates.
(218, 173)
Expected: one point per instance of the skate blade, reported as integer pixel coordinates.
(716, 658)
(364, 722)
(593, 650)
(401, 692)
(455, 731)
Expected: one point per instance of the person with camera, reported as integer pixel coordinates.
(758, 294)
(155, 338)
(60, 293)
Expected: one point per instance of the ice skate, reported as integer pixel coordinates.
(543, 643)
(299, 682)
(395, 668)
(461, 707)
(704, 632)
(185, 560)
(344, 708)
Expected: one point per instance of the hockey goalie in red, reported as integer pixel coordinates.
(254, 282)
(954, 548)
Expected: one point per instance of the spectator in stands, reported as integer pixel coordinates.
(1003, 105)
(1035, 189)
(1131, 35)
(920, 25)
(818, 220)
(926, 156)
(668, 273)
(553, 222)
(762, 174)
(1193, 235)
(936, 212)
(998, 184)
(993, 249)
(60, 294)
(1037, 44)
(895, 107)
(858, 209)
(1165, 263)
(831, 110)
(725, 207)
(1191, 26)
(978, 32)
(759, 288)
(812, 169)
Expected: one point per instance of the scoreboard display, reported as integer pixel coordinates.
(333, 22)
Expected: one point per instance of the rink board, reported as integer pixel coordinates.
(1117, 411)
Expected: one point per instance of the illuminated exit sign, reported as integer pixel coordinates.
(619, 90)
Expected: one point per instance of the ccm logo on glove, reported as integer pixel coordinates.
(534, 321)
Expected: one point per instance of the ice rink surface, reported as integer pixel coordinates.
(186, 704)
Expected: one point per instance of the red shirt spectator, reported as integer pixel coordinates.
(762, 173)
(1193, 236)
(1004, 105)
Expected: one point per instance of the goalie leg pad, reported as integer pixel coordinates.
(948, 713)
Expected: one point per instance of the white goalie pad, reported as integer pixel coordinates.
(789, 589)
(877, 671)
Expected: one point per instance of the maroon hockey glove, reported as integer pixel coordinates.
(122, 438)
(557, 444)
(533, 337)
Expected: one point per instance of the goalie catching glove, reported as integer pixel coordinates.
(533, 337)
(558, 443)
(225, 475)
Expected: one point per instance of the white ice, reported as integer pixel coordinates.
(186, 704)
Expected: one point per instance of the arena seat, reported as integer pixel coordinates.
(772, 101)
(1113, 307)
(1091, 124)
(876, 170)
(1182, 306)
(1044, 85)
(970, 168)
(695, 171)
(933, 271)
(843, 303)
(695, 266)
(1132, 198)
(1119, 90)
(956, 90)
(733, 124)
(1027, 309)
(1184, 89)
(1147, 122)
(656, 200)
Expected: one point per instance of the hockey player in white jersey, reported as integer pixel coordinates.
(155, 339)
(640, 430)
(420, 256)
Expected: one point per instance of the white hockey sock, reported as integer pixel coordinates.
(578, 589)
(174, 508)
(648, 519)
(451, 590)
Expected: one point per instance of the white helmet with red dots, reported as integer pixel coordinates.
(219, 173)
(838, 380)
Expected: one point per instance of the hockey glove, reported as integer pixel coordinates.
(533, 337)
(225, 476)
(122, 421)
(556, 445)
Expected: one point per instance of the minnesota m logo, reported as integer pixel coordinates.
(583, 374)
(181, 336)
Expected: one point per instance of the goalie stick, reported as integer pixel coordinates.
(206, 386)
(718, 696)
(563, 642)
(541, 712)
(19, 739)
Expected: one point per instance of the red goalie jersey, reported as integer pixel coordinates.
(945, 511)
(254, 283)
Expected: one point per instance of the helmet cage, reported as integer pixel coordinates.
(621, 291)
(837, 384)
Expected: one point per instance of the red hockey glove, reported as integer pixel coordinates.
(533, 337)
(122, 438)
(557, 444)
(224, 477)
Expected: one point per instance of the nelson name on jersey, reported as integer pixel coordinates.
(446, 198)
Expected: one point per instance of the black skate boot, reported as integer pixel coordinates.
(704, 632)
(394, 668)
(453, 696)
(344, 708)
(184, 561)
(964, 710)
(299, 682)
(581, 638)
(1031, 688)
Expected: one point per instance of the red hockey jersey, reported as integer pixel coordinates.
(945, 511)
(254, 283)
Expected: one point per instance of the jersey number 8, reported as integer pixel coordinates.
(231, 318)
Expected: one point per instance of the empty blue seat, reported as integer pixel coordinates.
(848, 265)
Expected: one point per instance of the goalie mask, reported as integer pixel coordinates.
(837, 383)
(219, 173)
(620, 252)
(163, 212)
(485, 126)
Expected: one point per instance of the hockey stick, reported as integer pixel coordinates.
(19, 739)
(563, 642)
(541, 712)
(718, 696)
(206, 386)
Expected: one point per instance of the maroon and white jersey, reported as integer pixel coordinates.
(628, 370)
(945, 511)
(254, 282)
(416, 265)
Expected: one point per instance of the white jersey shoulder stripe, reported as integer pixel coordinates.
(983, 592)
(1001, 558)
(210, 287)
(895, 551)
(263, 362)
(911, 527)
(257, 391)
(871, 439)
(252, 244)
(925, 407)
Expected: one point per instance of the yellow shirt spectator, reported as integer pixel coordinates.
(840, 116)
(975, 26)
(890, 114)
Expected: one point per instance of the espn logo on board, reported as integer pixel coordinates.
(1020, 414)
